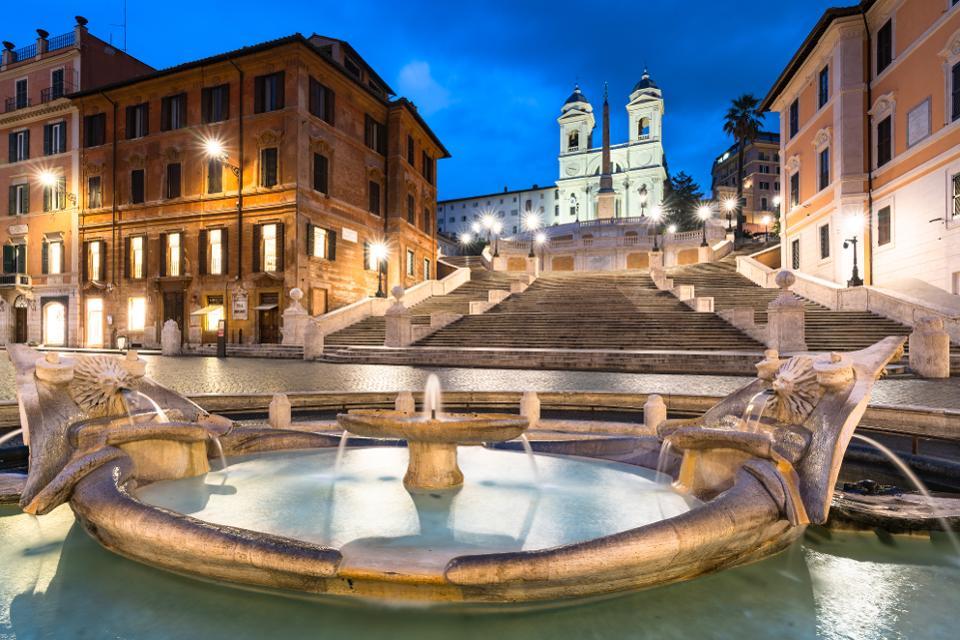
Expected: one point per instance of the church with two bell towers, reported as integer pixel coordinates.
(624, 180)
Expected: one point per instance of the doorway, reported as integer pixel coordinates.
(54, 322)
(211, 319)
(173, 310)
(94, 322)
(268, 318)
(318, 301)
(20, 319)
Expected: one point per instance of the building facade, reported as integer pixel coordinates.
(638, 171)
(39, 295)
(211, 189)
(761, 180)
(870, 146)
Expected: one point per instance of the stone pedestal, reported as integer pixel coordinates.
(704, 254)
(295, 319)
(655, 260)
(533, 266)
(312, 341)
(499, 263)
(930, 349)
(654, 413)
(280, 412)
(399, 329)
(170, 339)
(786, 317)
(405, 403)
(530, 407)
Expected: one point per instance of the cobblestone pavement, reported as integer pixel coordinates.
(193, 375)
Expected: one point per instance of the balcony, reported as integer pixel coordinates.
(55, 91)
(15, 280)
(12, 104)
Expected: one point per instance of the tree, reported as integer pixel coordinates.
(680, 202)
(743, 123)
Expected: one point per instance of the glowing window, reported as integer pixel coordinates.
(173, 254)
(215, 238)
(136, 313)
(94, 324)
(136, 257)
(269, 236)
(94, 260)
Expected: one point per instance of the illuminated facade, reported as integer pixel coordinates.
(761, 180)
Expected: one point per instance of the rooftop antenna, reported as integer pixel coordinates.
(122, 25)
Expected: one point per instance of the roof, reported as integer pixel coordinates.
(645, 82)
(809, 44)
(413, 111)
(497, 194)
(576, 96)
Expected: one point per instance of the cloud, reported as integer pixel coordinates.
(416, 82)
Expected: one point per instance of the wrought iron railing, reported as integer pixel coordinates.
(61, 41)
(12, 104)
(14, 280)
(55, 91)
(25, 53)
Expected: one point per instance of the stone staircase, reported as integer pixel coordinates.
(370, 331)
(826, 330)
(277, 351)
(593, 311)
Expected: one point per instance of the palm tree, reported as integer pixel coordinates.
(743, 123)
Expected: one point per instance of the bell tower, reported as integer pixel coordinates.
(576, 123)
(645, 110)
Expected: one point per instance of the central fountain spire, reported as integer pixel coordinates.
(606, 197)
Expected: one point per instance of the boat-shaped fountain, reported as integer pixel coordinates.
(132, 459)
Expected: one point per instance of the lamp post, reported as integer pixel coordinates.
(541, 240)
(532, 223)
(656, 214)
(487, 221)
(766, 228)
(855, 279)
(496, 228)
(465, 240)
(730, 205)
(214, 150)
(576, 206)
(704, 212)
(51, 180)
(379, 253)
(642, 192)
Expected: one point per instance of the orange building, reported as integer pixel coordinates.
(761, 180)
(38, 176)
(209, 190)
(870, 147)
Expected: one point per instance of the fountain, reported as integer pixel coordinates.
(483, 533)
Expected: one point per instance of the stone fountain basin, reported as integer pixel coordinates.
(448, 428)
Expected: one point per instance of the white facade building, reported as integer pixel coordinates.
(637, 167)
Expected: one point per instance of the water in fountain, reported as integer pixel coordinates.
(920, 486)
(750, 413)
(160, 415)
(219, 447)
(10, 436)
(431, 397)
(662, 475)
(533, 461)
(341, 449)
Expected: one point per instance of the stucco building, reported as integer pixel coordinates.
(870, 146)
(209, 190)
(40, 179)
(761, 180)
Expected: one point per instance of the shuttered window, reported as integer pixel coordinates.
(825, 242)
(19, 146)
(214, 175)
(884, 141)
(137, 186)
(173, 180)
(268, 167)
(321, 243)
(884, 46)
(19, 199)
(955, 92)
(322, 101)
(95, 130)
(54, 138)
(173, 112)
(268, 92)
(824, 160)
(138, 120)
(374, 197)
(883, 226)
(215, 103)
(321, 168)
(94, 192)
(374, 135)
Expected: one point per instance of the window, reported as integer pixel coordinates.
(824, 160)
(268, 167)
(884, 141)
(137, 188)
(643, 128)
(321, 243)
(19, 199)
(215, 103)
(173, 180)
(824, 242)
(15, 258)
(427, 167)
(411, 262)
(20, 93)
(54, 138)
(411, 210)
(795, 254)
(136, 313)
(956, 196)
(173, 254)
(54, 324)
(426, 268)
(794, 117)
(19, 145)
(369, 259)
(883, 226)
(374, 135)
(94, 323)
(96, 259)
(955, 92)
(211, 321)
(573, 141)
(95, 130)
(54, 195)
(411, 152)
(269, 247)
(214, 175)
(135, 264)
(268, 92)
(321, 170)
(216, 252)
(138, 120)
(94, 192)
(52, 257)
(795, 189)
(764, 169)
(374, 193)
(884, 46)
(824, 86)
(173, 112)
(322, 101)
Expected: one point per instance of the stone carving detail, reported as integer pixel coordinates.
(97, 383)
(269, 137)
(822, 138)
(952, 50)
(136, 161)
(883, 104)
(796, 391)
(171, 154)
(793, 164)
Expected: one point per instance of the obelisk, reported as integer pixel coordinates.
(606, 197)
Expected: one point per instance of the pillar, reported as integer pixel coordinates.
(930, 349)
(171, 338)
(786, 318)
(530, 407)
(295, 319)
(312, 341)
(399, 329)
(280, 412)
(654, 413)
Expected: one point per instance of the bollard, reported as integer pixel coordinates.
(279, 416)
(654, 413)
(530, 407)
(405, 403)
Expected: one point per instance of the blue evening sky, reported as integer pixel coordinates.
(490, 76)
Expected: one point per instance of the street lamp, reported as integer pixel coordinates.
(541, 241)
(855, 224)
(766, 228)
(214, 149)
(496, 228)
(487, 221)
(656, 214)
(576, 206)
(642, 192)
(51, 180)
(730, 205)
(378, 254)
(672, 229)
(532, 223)
(704, 212)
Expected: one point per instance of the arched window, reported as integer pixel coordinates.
(643, 128)
(573, 141)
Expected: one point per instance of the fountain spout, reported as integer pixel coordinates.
(431, 397)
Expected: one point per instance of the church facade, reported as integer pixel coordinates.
(637, 171)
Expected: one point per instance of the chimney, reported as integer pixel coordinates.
(42, 42)
(7, 56)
